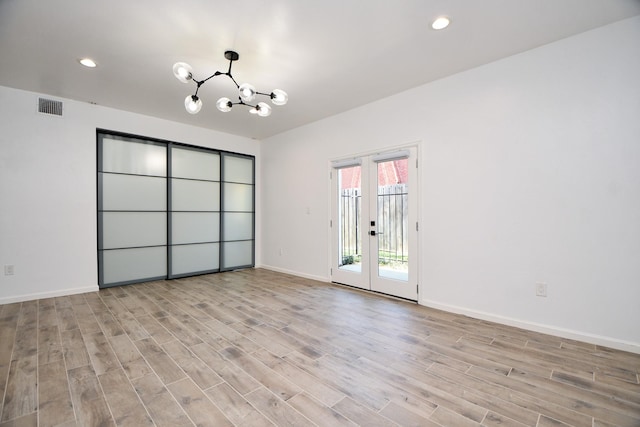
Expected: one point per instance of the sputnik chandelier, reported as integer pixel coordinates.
(246, 92)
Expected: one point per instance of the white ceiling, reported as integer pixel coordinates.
(330, 55)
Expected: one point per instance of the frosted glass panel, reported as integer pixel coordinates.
(132, 264)
(194, 227)
(133, 157)
(127, 229)
(237, 254)
(238, 197)
(195, 164)
(133, 193)
(195, 195)
(238, 226)
(238, 169)
(194, 258)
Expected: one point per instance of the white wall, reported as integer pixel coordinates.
(48, 189)
(530, 172)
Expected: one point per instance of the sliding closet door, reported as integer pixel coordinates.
(195, 211)
(132, 217)
(168, 210)
(237, 211)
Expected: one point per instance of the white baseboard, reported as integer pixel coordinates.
(41, 295)
(537, 327)
(294, 273)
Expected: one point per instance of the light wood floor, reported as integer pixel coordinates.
(256, 348)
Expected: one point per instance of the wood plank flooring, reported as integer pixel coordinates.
(259, 348)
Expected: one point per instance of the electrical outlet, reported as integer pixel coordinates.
(9, 270)
(541, 289)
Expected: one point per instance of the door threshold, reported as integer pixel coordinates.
(369, 291)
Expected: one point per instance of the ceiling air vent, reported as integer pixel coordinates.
(49, 106)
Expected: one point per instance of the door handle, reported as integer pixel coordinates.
(373, 232)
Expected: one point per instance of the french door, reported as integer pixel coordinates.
(374, 223)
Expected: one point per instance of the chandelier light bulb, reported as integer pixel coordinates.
(247, 92)
(193, 104)
(224, 105)
(279, 97)
(264, 109)
(182, 71)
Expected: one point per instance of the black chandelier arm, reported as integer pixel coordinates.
(197, 87)
(217, 73)
(228, 74)
(231, 56)
(231, 77)
(200, 82)
(241, 102)
(230, 64)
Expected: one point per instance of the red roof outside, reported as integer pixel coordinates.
(389, 173)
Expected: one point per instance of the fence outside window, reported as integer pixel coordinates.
(393, 211)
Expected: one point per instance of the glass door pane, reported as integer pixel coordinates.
(350, 224)
(392, 207)
(238, 212)
(132, 203)
(350, 218)
(393, 199)
(195, 211)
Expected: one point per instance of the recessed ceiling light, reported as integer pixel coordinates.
(440, 23)
(88, 62)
